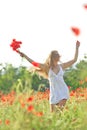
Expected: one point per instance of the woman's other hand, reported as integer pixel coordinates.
(77, 44)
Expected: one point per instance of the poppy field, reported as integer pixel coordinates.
(27, 108)
(30, 111)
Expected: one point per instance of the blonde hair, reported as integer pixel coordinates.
(49, 63)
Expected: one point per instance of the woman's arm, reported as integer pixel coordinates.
(71, 62)
(38, 65)
(25, 56)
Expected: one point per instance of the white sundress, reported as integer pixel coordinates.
(58, 88)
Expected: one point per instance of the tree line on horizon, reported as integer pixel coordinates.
(12, 77)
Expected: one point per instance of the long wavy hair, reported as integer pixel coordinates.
(49, 63)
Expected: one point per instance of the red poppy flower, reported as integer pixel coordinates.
(15, 45)
(35, 64)
(0, 121)
(85, 6)
(30, 108)
(7, 122)
(75, 30)
(39, 114)
(30, 99)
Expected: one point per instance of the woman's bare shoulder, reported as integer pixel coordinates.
(62, 65)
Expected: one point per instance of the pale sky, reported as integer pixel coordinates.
(42, 26)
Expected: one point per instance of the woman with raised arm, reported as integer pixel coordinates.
(54, 71)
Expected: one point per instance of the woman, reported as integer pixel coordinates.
(59, 92)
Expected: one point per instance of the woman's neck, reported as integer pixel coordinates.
(55, 64)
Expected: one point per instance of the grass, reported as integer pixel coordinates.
(30, 111)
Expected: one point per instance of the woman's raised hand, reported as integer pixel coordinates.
(77, 44)
(21, 54)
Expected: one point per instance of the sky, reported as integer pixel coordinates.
(42, 26)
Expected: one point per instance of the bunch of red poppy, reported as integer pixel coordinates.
(15, 45)
(85, 6)
(75, 30)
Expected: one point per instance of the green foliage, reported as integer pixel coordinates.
(10, 76)
(42, 88)
(37, 81)
(75, 74)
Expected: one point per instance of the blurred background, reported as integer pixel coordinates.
(42, 26)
